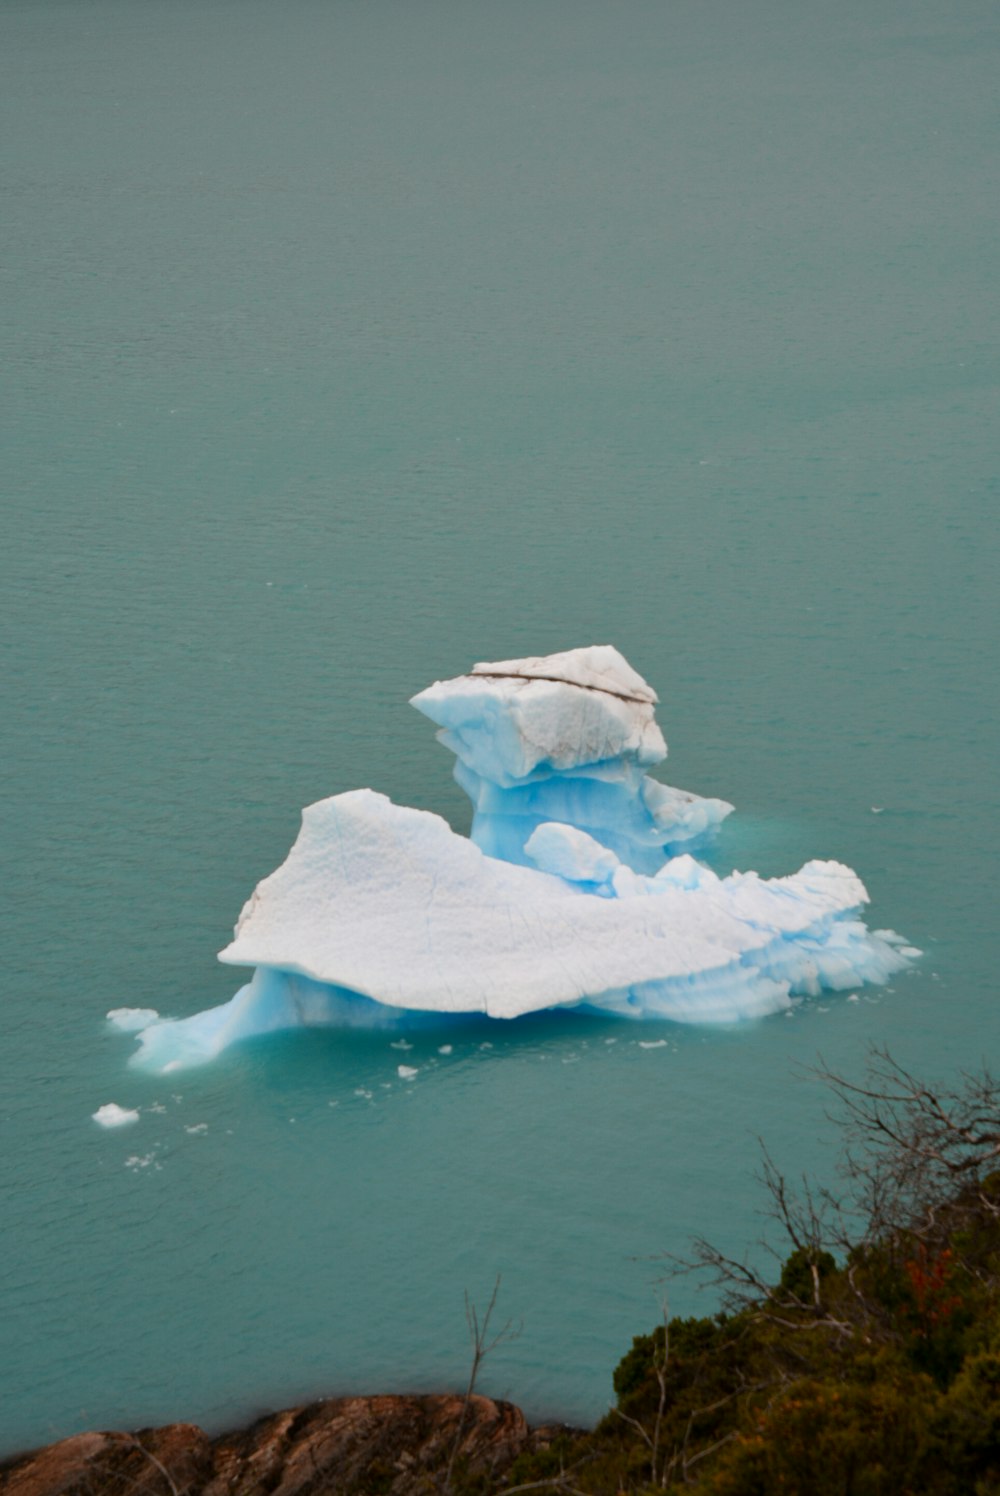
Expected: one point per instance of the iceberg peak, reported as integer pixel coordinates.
(565, 737)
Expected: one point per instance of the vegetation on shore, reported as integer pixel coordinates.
(866, 1364)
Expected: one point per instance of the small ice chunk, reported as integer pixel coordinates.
(113, 1115)
(201, 1127)
(445, 1048)
(685, 872)
(400, 1044)
(406, 1072)
(652, 1043)
(570, 853)
(131, 1020)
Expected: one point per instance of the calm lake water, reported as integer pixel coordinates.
(346, 344)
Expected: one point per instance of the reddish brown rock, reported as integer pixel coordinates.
(401, 1446)
(176, 1459)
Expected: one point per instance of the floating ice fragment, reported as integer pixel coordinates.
(577, 888)
(131, 1020)
(652, 1043)
(406, 1072)
(113, 1115)
(198, 1128)
(400, 1044)
(445, 1048)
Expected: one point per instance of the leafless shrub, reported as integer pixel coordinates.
(483, 1343)
(917, 1158)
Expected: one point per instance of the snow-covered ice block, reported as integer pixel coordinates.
(546, 714)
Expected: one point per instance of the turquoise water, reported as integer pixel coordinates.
(345, 345)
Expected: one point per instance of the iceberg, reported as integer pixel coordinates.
(578, 887)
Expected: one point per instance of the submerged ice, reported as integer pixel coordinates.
(577, 887)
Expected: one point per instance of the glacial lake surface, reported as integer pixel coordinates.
(347, 344)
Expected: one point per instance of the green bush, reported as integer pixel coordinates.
(824, 1439)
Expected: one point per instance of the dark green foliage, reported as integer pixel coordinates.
(691, 1340)
(754, 1408)
(828, 1439)
(797, 1273)
(880, 1377)
(966, 1424)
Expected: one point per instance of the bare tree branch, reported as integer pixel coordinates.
(482, 1346)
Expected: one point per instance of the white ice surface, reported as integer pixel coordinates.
(390, 902)
(113, 1115)
(598, 667)
(380, 902)
(131, 1020)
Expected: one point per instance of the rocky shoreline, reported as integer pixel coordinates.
(396, 1445)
